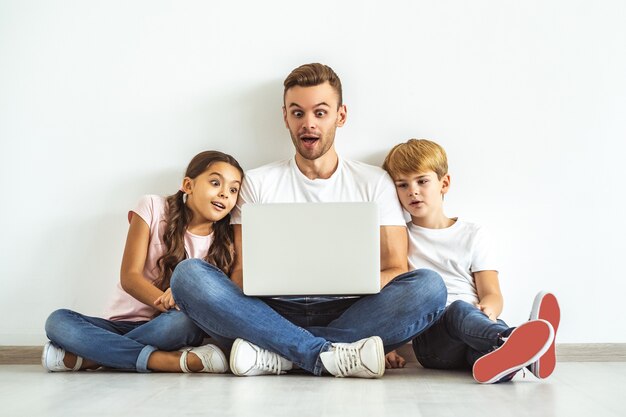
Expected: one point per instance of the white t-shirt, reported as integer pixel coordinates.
(353, 181)
(455, 253)
(152, 209)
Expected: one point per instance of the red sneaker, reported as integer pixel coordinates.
(524, 346)
(546, 307)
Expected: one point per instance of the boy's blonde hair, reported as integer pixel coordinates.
(416, 155)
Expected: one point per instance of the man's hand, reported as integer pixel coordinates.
(166, 301)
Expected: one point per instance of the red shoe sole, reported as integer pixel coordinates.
(549, 311)
(524, 345)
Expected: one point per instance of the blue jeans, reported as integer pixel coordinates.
(405, 307)
(461, 336)
(121, 344)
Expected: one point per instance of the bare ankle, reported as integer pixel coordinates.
(194, 364)
(69, 360)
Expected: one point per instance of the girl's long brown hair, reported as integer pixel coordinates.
(222, 251)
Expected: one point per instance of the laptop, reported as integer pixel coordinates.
(307, 249)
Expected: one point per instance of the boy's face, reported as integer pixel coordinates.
(312, 116)
(421, 193)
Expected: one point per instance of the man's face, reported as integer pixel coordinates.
(312, 117)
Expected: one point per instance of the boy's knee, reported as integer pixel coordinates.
(458, 309)
(459, 305)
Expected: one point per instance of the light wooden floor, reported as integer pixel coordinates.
(575, 389)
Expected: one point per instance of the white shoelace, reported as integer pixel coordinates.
(348, 360)
(268, 361)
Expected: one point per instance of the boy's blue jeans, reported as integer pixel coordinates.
(461, 336)
(121, 344)
(300, 332)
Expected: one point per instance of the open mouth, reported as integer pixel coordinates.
(218, 205)
(309, 139)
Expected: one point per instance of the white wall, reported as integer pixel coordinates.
(101, 102)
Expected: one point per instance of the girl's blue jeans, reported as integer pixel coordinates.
(299, 332)
(121, 344)
(461, 336)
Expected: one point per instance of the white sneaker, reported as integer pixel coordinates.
(212, 358)
(52, 359)
(247, 359)
(362, 359)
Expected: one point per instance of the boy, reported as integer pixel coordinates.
(469, 334)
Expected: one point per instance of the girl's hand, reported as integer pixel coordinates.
(166, 301)
(393, 360)
(488, 311)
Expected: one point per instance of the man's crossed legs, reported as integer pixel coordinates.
(336, 336)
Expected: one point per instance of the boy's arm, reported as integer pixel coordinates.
(490, 299)
(393, 253)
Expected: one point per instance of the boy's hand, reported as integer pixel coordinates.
(166, 300)
(488, 311)
(393, 360)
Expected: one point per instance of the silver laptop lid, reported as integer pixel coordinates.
(310, 249)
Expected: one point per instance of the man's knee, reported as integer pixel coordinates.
(428, 285)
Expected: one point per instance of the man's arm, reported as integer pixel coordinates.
(393, 253)
(236, 273)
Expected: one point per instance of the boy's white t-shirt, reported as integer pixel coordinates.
(152, 209)
(353, 181)
(455, 253)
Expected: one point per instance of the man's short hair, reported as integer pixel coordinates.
(310, 75)
(416, 155)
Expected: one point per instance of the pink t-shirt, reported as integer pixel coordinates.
(152, 208)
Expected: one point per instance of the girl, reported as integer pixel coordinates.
(145, 327)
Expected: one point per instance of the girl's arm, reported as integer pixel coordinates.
(133, 261)
(489, 295)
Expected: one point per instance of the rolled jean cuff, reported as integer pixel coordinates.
(319, 367)
(142, 360)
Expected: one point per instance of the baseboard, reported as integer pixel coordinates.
(566, 352)
(591, 352)
(20, 355)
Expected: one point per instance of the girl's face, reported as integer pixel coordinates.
(421, 193)
(213, 194)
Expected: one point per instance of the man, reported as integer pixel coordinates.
(350, 335)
